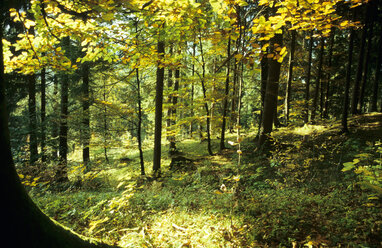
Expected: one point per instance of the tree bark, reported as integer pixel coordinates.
(288, 90)
(356, 88)
(205, 98)
(226, 93)
(158, 109)
(329, 72)
(271, 93)
(56, 119)
(365, 68)
(33, 146)
(318, 80)
(86, 116)
(308, 75)
(344, 121)
(377, 74)
(139, 128)
(61, 172)
(43, 114)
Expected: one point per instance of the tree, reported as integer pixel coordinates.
(61, 172)
(345, 106)
(23, 218)
(226, 93)
(271, 91)
(158, 107)
(86, 116)
(288, 90)
(308, 75)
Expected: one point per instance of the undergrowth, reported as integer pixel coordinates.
(298, 196)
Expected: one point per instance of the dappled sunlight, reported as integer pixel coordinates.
(308, 129)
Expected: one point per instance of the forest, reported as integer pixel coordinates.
(191, 123)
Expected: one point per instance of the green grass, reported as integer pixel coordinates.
(298, 195)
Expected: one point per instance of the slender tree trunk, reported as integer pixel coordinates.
(263, 81)
(61, 173)
(226, 94)
(105, 124)
(345, 110)
(271, 93)
(56, 119)
(158, 109)
(356, 88)
(43, 114)
(327, 93)
(318, 80)
(205, 98)
(86, 116)
(139, 131)
(365, 68)
(307, 83)
(288, 91)
(173, 112)
(33, 149)
(192, 89)
(377, 76)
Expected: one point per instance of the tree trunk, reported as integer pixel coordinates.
(43, 114)
(61, 172)
(318, 80)
(23, 219)
(308, 75)
(192, 88)
(139, 128)
(56, 119)
(288, 90)
(86, 116)
(344, 121)
(271, 93)
(356, 90)
(329, 74)
(263, 81)
(226, 93)
(33, 149)
(365, 68)
(173, 112)
(205, 98)
(105, 124)
(377, 75)
(158, 109)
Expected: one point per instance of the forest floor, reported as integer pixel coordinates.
(316, 188)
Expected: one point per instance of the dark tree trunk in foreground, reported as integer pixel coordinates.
(345, 106)
(86, 116)
(288, 91)
(307, 83)
(374, 100)
(226, 93)
(271, 92)
(158, 110)
(26, 225)
(33, 149)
